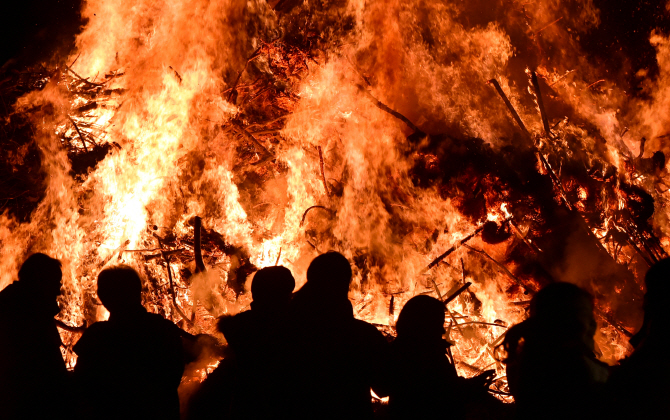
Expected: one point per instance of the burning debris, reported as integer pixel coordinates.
(236, 137)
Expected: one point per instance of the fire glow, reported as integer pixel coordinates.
(378, 129)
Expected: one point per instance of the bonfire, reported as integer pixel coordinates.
(473, 158)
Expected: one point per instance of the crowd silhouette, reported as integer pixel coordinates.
(303, 355)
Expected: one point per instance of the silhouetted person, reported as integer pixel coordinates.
(640, 387)
(249, 383)
(131, 365)
(425, 384)
(33, 376)
(336, 358)
(551, 367)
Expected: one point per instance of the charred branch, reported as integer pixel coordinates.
(493, 260)
(81, 136)
(62, 325)
(456, 293)
(265, 152)
(86, 81)
(540, 103)
(387, 109)
(304, 215)
(323, 173)
(510, 107)
(199, 263)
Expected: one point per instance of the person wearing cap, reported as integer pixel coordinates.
(33, 376)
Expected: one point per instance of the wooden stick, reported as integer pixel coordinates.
(79, 132)
(484, 254)
(278, 257)
(240, 129)
(304, 215)
(174, 295)
(81, 78)
(323, 173)
(199, 263)
(239, 75)
(510, 107)
(540, 103)
(437, 260)
(385, 108)
(456, 293)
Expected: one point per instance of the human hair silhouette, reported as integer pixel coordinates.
(132, 364)
(639, 385)
(33, 376)
(424, 380)
(272, 287)
(421, 317)
(41, 276)
(551, 366)
(256, 362)
(335, 358)
(120, 289)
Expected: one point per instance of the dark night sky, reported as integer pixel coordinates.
(31, 29)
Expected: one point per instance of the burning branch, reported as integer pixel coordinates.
(199, 263)
(189, 321)
(62, 325)
(266, 153)
(304, 215)
(490, 258)
(510, 107)
(81, 136)
(540, 103)
(437, 260)
(233, 91)
(385, 108)
(545, 163)
(456, 293)
(323, 173)
(81, 78)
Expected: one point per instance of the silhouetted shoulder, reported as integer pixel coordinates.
(93, 335)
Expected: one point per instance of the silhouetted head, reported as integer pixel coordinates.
(120, 289)
(329, 274)
(565, 311)
(657, 297)
(561, 317)
(422, 317)
(272, 286)
(42, 276)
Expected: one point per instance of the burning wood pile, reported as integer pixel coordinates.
(402, 135)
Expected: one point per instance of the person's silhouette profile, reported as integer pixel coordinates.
(33, 376)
